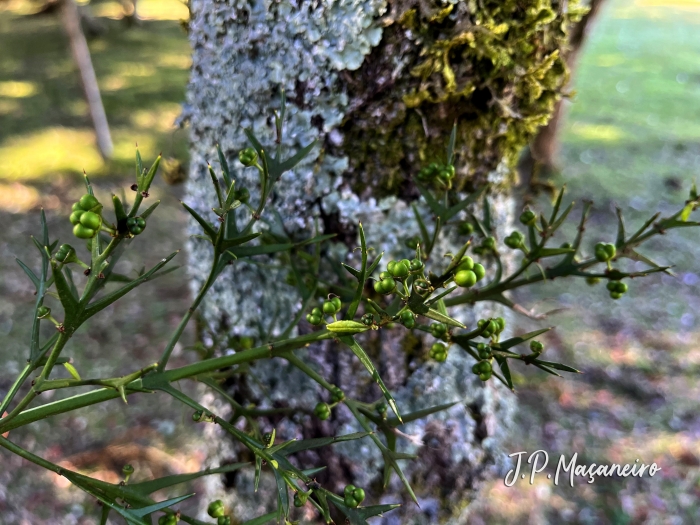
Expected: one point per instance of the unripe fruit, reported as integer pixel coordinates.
(484, 351)
(91, 220)
(216, 509)
(322, 411)
(466, 228)
(536, 347)
(398, 269)
(501, 323)
(528, 218)
(407, 319)
(168, 519)
(43, 312)
(367, 319)
(329, 308)
(135, 225)
(592, 281)
(88, 202)
(349, 490)
(248, 157)
(616, 295)
(465, 278)
(438, 329)
(479, 271)
(416, 265)
(359, 495)
(81, 232)
(489, 243)
(75, 217)
(337, 395)
(605, 251)
(467, 263)
(223, 520)
(336, 302)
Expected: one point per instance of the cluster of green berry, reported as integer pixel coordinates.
(483, 367)
(440, 175)
(323, 410)
(330, 307)
(487, 245)
(616, 288)
(217, 510)
(408, 319)
(438, 351)
(515, 240)
(353, 496)
(468, 273)
(604, 252)
(492, 327)
(396, 270)
(536, 347)
(248, 157)
(86, 217)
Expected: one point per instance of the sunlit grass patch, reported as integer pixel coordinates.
(49, 150)
(17, 89)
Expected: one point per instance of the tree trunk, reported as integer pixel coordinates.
(541, 157)
(380, 84)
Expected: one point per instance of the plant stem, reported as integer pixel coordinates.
(15, 387)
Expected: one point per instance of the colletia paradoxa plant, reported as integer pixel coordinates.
(414, 293)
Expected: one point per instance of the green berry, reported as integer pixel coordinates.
(350, 502)
(242, 195)
(398, 269)
(359, 495)
(127, 470)
(313, 319)
(466, 228)
(298, 501)
(501, 324)
(484, 351)
(416, 265)
(489, 243)
(216, 509)
(407, 319)
(465, 278)
(168, 519)
(604, 251)
(438, 329)
(592, 281)
(438, 351)
(485, 376)
(412, 243)
(515, 240)
(381, 408)
(76, 207)
(317, 312)
(81, 232)
(536, 347)
(329, 308)
(367, 319)
(197, 415)
(91, 220)
(88, 202)
(43, 312)
(223, 520)
(135, 225)
(322, 411)
(528, 217)
(64, 253)
(480, 271)
(337, 395)
(467, 263)
(616, 295)
(75, 217)
(385, 285)
(336, 302)
(248, 157)
(482, 367)
(349, 489)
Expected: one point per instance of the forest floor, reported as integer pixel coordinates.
(631, 139)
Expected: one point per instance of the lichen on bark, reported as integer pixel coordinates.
(380, 84)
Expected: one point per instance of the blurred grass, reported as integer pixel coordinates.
(45, 129)
(631, 138)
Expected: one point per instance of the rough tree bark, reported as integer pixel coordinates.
(380, 84)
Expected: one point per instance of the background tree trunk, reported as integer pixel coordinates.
(541, 157)
(380, 84)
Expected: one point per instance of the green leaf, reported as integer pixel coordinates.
(487, 215)
(361, 278)
(433, 204)
(261, 520)
(145, 511)
(421, 226)
(451, 145)
(250, 251)
(471, 199)
(148, 178)
(360, 515)
(420, 414)
(551, 252)
(503, 364)
(685, 214)
(355, 273)
(227, 244)
(557, 205)
(282, 494)
(294, 160)
(365, 360)
(308, 444)
(510, 343)
(217, 186)
(103, 303)
(620, 241)
(208, 228)
(65, 294)
(147, 487)
(437, 316)
(556, 366)
(30, 274)
(224, 166)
